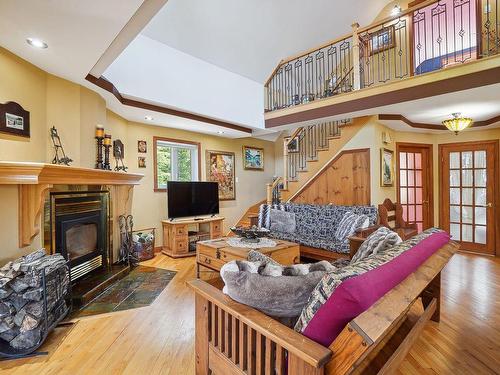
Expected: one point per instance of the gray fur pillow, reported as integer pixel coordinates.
(282, 221)
(376, 242)
(278, 291)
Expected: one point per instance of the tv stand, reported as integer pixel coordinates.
(180, 237)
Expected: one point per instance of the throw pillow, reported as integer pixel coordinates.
(349, 224)
(378, 241)
(282, 221)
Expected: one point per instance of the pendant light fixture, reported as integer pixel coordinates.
(457, 123)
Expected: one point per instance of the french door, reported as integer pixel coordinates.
(468, 193)
(414, 183)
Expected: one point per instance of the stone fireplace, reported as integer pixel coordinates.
(77, 226)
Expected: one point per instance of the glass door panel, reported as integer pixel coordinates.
(468, 194)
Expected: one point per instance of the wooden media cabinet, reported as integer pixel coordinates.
(180, 236)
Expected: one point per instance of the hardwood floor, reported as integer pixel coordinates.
(159, 339)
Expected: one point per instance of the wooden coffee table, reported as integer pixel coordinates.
(213, 254)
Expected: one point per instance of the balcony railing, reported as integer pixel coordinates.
(430, 36)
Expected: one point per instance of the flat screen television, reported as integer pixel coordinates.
(192, 199)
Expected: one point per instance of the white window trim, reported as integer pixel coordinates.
(174, 146)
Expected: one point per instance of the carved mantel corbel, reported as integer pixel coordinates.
(31, 202)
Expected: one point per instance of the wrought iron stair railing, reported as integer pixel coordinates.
(432, 35)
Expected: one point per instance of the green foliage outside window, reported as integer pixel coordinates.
(184, 165)
(173, 164)
(163, 158)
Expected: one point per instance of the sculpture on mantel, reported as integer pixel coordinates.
(99, 137)
(119, 153)
(56, 140)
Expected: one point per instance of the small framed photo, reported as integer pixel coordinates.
(253, 158)
(14, 119)
(381, 40)
(142, 147)
(141, 162)
(386, 167)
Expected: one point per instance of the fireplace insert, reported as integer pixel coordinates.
(79, 227)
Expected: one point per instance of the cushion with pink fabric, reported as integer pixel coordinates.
(357, 294)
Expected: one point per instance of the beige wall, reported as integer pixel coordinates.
(75, 110)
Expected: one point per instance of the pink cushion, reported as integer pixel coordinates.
(357, 294)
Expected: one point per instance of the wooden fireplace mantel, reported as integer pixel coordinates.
(34, 179)
(19, 173)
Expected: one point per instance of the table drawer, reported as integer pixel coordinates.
(218, 254)
(216, 226)
(180, 246)
(209, 261)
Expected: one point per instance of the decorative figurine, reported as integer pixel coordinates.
(99, 136)
(56, 140)
(107, 147)
(119, 153)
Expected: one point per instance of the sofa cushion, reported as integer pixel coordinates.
(379, 240)
(264, 217)
(333, 279)
(314, 241)
(357, 294)
(282, 221)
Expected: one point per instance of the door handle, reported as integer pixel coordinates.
(489, 204)
(425, 202)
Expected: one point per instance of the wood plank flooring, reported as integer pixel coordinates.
(159, 339)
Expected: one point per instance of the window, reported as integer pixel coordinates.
(175, 160)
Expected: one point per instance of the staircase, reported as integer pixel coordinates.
(309, 149)
(306, 153)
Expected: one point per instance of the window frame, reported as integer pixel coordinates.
(156, 141)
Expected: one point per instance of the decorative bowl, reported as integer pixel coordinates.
(250, 234)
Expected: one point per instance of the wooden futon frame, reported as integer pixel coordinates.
(232, 338)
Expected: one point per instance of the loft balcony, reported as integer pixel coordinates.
(432, 48)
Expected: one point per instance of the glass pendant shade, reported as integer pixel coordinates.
(457, 123)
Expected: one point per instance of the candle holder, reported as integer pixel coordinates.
(99, 136)
(107, 148)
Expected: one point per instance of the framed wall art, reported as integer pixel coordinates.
(386, 167)
(141, 162)
(221, 169)
(142, 147)
(14, 119)
(253, 158)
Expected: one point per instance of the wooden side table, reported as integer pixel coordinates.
(215, 253)
(178, 234)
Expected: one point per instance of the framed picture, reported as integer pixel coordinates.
(381, 40)
(253, 158)
(386, 167)
(14, 119)
(141, 162)
(118, 149)
(142, 147)
(221, 169)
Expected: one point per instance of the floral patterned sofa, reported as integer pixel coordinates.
(316, 225)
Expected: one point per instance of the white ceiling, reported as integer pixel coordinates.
(249, 38)
(77, 32)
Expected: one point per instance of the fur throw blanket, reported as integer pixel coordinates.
(278, 291)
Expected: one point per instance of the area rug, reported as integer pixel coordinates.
(138, 289)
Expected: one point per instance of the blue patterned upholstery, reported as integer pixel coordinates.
(316, 224)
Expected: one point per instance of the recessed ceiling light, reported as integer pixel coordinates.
(220, 132)
(149, 118)
(396, 10)
(37, 43)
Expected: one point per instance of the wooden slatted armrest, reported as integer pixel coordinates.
(365, 232)
(307, 350)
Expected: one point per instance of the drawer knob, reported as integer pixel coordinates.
(207, 260)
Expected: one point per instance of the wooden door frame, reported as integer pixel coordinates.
(430, 175)
(496, 189)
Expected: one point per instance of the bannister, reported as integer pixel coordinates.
(430, 36)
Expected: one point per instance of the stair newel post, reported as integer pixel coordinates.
(285, 162)
(269, 193)
(356, 62)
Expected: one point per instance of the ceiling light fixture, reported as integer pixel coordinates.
(396, 10)
(220, 132)
(149, 118)
(457, 123)
(37, 43)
